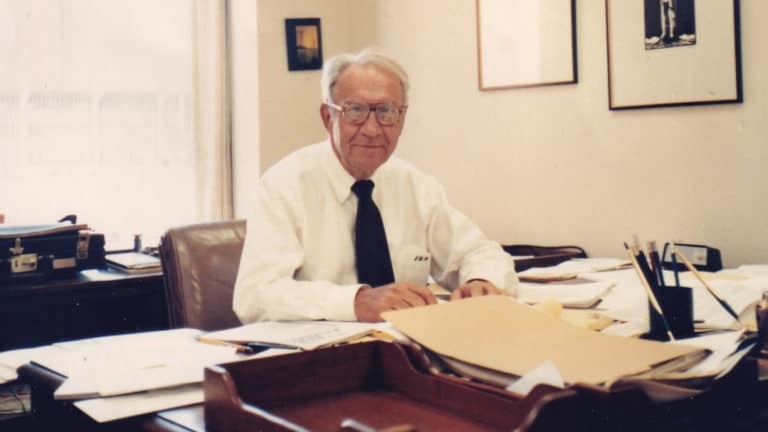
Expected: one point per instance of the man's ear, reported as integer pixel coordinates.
(325, 115)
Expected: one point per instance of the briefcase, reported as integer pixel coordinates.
(369, 386)
(29, 252)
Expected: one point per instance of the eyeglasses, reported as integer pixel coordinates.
(357, 113)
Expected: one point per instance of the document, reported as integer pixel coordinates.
(500, 334)
(303, 335)
(132, 363)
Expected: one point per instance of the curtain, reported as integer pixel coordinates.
(115, 111)
(212, 110)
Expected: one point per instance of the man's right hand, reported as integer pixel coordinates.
(371, 302)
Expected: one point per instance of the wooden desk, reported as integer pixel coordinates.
(89, 304)
(736, 403)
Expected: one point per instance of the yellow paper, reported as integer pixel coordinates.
(498, 333)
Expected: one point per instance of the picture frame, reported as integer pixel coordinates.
(664, 53)
(303, 40)
(508, 54)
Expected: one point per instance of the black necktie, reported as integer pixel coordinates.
(374, 266)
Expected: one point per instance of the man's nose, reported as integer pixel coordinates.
(371, 126)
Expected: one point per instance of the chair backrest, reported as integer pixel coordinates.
(200, 264)
(542, 256)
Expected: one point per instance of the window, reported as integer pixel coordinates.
(97, 113)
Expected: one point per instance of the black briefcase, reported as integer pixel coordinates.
(48, 251)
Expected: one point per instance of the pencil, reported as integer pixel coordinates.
(649, 291)
(709, 288)
(653, 254)
(239, 348)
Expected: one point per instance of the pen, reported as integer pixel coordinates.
(261, 346)
(243, 349)
(674, 265)
(709, 288)
(649, 291)
(650, 276)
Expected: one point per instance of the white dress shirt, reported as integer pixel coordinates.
(298, 259)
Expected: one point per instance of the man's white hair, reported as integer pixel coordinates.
(334, 66)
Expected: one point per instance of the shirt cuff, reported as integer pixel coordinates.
(342, 303)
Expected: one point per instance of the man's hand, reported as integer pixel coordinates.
(475, 288)
(371, 302)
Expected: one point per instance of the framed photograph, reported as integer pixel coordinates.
(673, 53)
(304, 44)
(523, 43)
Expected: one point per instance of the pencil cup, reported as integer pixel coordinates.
(677, 305)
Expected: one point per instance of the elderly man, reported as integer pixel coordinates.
(343, 230)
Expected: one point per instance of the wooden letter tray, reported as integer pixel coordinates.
(359, 387)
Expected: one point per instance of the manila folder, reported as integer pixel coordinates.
(498, 333)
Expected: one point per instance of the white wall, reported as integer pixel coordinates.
(546, 165)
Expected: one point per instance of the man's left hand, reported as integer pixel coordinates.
(475, 288)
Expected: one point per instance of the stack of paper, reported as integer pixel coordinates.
(132, 363)
(132, 374)
(573, 268)
(575, 293)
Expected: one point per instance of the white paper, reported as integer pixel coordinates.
(578, 266)
(722, 345)
(546, 373)
(119, 407)
(304, 335)
(10, 361)
(132, 363)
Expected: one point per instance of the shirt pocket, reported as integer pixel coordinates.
(412, 264)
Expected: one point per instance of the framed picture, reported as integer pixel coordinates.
(523, 43)
(304, 44)
(673, 53)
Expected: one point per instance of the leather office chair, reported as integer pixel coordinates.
(200, 264)
(542, 256)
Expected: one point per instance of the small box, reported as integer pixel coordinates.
(702, 257)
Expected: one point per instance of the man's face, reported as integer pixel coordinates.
(362, 148)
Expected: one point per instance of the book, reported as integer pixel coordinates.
(133, 262)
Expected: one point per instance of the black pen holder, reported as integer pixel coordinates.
(677, 305)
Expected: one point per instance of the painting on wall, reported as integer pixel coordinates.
(303, 43)
(521, 43)
(673, 53)
(669, 23)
